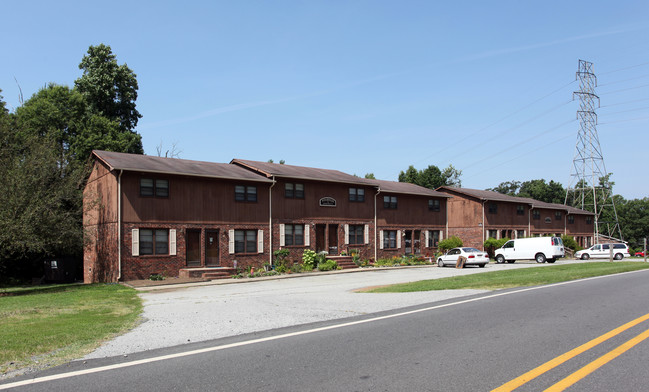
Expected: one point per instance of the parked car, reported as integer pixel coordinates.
(603, 251)
(473, 257)
(541, 249)
(639, 254)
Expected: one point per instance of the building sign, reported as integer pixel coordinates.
(327, 202)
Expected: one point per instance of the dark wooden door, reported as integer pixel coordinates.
(211, 248)
(333, 239)
(320, 243)
(193, 247)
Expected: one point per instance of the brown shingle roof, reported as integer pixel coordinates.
(495, 196)
(299, 172)
(153, 164)
(407, 188)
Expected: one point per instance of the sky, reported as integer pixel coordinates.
(360, 86)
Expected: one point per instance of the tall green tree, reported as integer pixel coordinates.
(432, 177)
(552, 192)
(111, 89)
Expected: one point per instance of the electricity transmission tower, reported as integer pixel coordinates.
(590, 187)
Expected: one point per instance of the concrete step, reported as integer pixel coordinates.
(199, 272)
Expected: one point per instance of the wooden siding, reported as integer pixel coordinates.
(309, 207)
(464, 212)
(192, 200)
(411, 210)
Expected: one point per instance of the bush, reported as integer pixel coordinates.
(328, 265)
(308, 258)
(570, 242)
(491, 244)
(449, 243)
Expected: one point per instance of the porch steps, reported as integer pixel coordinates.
(344, 262)
(207, 273)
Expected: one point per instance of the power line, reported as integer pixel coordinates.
(624, 103)
(622, 81)
(624, 69)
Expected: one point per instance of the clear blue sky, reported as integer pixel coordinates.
(360, 86)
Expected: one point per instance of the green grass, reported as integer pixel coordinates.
(52, 325)
(534, 276)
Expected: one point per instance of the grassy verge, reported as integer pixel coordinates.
(47, 327)
(515, 278)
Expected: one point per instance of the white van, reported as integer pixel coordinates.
(603, 251)
(541, 249)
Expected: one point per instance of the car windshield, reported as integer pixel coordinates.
(470, 250)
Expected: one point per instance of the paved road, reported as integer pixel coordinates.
(199, 313)
(475, 343)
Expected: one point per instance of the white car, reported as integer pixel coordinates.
(473, 257)
(603, 251)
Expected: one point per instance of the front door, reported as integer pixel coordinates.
(211, 248)
(333, 239)
(193, 247)
(408, 241)
(416, 242)
(320, 243)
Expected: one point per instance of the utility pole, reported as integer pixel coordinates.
(590, 188)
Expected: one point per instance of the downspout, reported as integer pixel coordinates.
(484, 238)
(376, 232)
(119, 225)
(529, 222)
(270, 222)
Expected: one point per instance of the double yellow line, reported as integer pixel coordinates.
(586, 370)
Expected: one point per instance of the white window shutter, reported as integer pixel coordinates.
(260, 241)
(307, 235)
(366, 231)
(282, 235)
(135, 242)
(231, 242)
(346, 234)
(398, 239)
(441, 235)
(172, 242)
(381, 239)
(427, 238)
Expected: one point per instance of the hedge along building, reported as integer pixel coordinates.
(476, 215)
(148, 215)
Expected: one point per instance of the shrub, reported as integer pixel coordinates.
(570, 242)
(328, 265)
(308, 258)
(449, 243)
(491, 244)
(156, 277)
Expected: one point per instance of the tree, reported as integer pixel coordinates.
(111, 89)
(370, 176)
(507, 188)
(432, 177)
(552, 192)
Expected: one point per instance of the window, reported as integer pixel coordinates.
(433, 205)
(245, 241)
(154, 241)
(245, 193)
(557, 215)
(356, 234)
(293, 235)
(492, 234)
(571, 219)
(294, 191)
(536, 214)
(390, 202)
(589, 220)
(493, 208)
(150, 187)
(357, 194)
(520, 233)
(520, 209)
(389, 239)
(433, 238)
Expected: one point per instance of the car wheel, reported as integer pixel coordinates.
(500, 259)
(440, 263)
(585, 256)
(551, 260)
(618, 256)
(540, 258)
(482, 265)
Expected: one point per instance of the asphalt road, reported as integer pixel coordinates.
(474, 343)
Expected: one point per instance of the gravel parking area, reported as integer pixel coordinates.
(193, 312)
